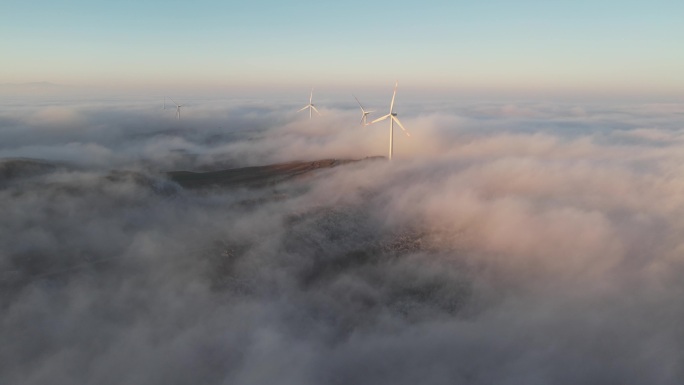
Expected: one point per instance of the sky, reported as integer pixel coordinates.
(567, 46)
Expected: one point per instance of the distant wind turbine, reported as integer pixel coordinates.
(310, 106)
(164, 103)
(393, 118)
(178, 107)
(364, 113)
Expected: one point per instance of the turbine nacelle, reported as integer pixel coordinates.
(310, 106)
(392, 116)
(364, 113)
(178, 108)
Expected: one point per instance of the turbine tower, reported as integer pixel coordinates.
(364, 113)
(310, 106)
(178, 107)
(393, 118)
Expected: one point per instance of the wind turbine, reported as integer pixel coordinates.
(310, 106)
(364, 113)
(164, 103)
(178, 106)
(393, 118)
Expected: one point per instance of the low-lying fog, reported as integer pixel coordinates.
(531, 243)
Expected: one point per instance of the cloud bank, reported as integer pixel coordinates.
(510, 244)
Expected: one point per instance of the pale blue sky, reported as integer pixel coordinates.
(623, 46)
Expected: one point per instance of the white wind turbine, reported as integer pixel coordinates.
(364, 113)
(310, 106)
(178, 107)
(393, 118)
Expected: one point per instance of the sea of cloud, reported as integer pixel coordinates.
(507, 243)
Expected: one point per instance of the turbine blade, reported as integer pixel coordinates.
(393, 95)
(357, 100)
(174, 102)
(311, 96)
(314, 108)
(381, 119)
(303, 108)
(401, 125)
